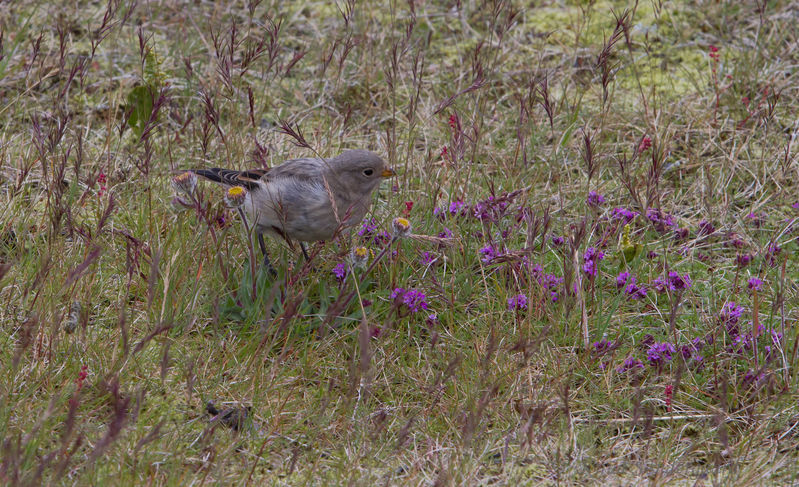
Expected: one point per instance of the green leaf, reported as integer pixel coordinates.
(140, 99)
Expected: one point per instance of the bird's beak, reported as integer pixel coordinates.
(388, 172)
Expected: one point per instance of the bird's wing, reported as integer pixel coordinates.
(229, 177)
(305, 169)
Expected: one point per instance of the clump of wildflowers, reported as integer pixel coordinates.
(754, 284)
(659, 354)
(674, 282)
(595, 199)
(369, 231)
(729, 316)
(340, 271)
(743, 260)
(706, 228)
(412, 299)
(679, 282)
(603, 346)
(517, 303)
(630, 363)
(772, 251)
(635, 291)
(623, 214)
(488, 253)
(661, 221)
(591, 260)
(622, 278)
(491, 209)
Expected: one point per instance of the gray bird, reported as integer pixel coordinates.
(293, 200)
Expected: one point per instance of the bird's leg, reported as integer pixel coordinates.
(266, 263)
(305, 252)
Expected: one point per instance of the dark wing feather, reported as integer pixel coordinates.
(229, 177)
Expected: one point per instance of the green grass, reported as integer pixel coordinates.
(536, 104)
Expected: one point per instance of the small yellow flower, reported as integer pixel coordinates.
(235, 196)
(359, 256)
(185, 183)
(401, 227)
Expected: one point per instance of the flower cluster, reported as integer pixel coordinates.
(595, 199)
(630, 363)
(674, 282)
(591, 260)
(754, 284)
(623, 214)
(340, 271)
(662, 222)
(488, 253)
(517, 303)
(368, 231)
(413, 299)
(659, 354)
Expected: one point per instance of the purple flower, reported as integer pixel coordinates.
(446, 233)
(488, 253)
(432, 320)
(634, 291)
(661, 221)
(367, 228)
(623, 214)
(743, 260)
(729, 316)
(662, 285)
(679, 282)
(681, 233)
(595, 199)
(591, 259)
(755, 284)
(340, 271)
(457, 208)
(706, 228)
(734, 241)
(659, 354)
(413, 299)
(557, 241)
(772, 252)
(603, 346)
(517, 302)
(491, 209)
(427, 258)
(630, 363)
(622, 278)
(552, 283)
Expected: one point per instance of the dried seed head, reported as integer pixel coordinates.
(185, 183)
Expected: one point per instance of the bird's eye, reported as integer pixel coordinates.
(368, 172)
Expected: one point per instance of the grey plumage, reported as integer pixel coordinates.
(293, 200)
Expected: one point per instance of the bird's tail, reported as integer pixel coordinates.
(229, 177)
